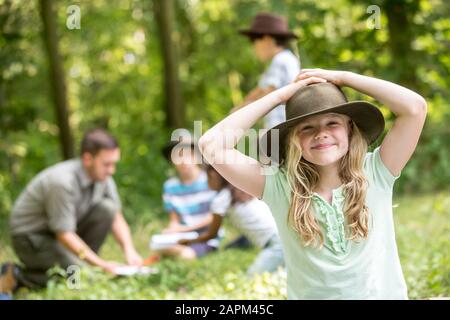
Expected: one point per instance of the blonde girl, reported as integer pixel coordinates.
(330, 197)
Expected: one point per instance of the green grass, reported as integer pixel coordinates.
(422, 228)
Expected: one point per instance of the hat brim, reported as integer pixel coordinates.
(250, 33)
(366, 116)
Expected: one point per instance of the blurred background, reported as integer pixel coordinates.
(143, 68)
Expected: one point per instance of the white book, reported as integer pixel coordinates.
(134, 270)
(167, 240)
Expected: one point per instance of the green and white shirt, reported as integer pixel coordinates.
(342, 268)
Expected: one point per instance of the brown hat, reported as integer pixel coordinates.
(320, 98)
(270, 24)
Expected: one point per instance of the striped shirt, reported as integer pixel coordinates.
(191, 202)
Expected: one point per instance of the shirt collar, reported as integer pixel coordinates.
(283, 51)
(337, 195)
(83, 177)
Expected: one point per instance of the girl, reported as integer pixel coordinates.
(331, 200)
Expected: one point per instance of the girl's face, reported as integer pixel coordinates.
(214, 180)
(324, 138)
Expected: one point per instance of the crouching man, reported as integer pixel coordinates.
(65, 213)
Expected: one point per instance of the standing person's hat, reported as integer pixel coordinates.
(317, 99)
(269, 24)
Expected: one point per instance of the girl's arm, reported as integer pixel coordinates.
(409, 108)
(217, 144)
(255, 94)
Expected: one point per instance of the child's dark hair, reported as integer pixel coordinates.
(280, 41)
(223, 182)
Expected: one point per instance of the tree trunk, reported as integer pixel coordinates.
(57, 79)
(173, 102)
(399, 14)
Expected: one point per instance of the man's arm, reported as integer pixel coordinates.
(121, 232)
(75, 244)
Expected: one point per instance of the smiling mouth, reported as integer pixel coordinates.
(322, 146)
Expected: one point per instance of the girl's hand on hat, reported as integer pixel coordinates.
(336, 77)
(286, 92)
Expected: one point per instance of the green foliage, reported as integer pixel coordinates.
(114, 75)
(422, 228)
(175, 280)
(430, 168)
(114, 72)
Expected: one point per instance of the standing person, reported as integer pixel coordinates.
(65, 213)
(270, 36)
(331, 199)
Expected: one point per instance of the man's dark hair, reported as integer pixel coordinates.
(97, 139)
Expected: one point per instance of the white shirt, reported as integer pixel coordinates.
(283, 69)
(253, 218)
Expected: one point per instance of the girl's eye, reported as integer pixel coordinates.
(306, 128)
(333, 123)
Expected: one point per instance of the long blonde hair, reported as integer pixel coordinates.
(303, 178)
